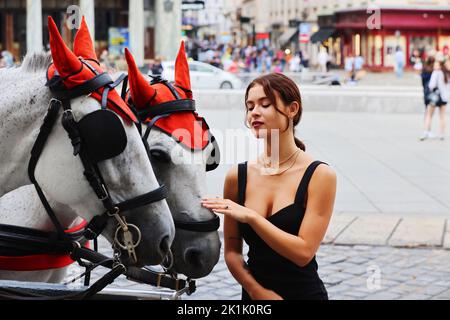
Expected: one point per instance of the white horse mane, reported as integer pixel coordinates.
(36, 62)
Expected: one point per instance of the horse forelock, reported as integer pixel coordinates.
(37, 61)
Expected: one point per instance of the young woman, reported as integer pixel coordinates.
(440, 79)
(427, 71)
(281, 208)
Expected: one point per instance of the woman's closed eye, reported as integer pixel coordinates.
(251, 107)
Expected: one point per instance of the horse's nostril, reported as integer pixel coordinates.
(193, 257)
(164, 246)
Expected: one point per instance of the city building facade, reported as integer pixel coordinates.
(148, 27)
(373, 29)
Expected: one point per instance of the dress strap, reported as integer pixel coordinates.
(242, 182)
(303, 187)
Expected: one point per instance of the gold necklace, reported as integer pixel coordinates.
(274, 172)
(267, 163)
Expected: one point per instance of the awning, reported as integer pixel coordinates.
(322, 35)
(262, 36)
(287, 35)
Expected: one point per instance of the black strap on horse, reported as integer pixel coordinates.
(22, 241)
(91, 170)
(99, 285)
(145, 276)
(157, 279)
(165, 110)
(92, 174)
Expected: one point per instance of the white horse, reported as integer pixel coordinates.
(195, 253)
(24, 99)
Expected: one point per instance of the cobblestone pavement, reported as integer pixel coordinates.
(349, 272)
(359, 272)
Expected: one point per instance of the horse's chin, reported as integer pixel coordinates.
(142, 260)
(191, 272)
(195, 257)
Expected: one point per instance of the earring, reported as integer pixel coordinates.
(291, 121)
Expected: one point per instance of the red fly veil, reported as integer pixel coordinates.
(186, 127)
(74, 73)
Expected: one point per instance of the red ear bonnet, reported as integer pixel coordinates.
(186, 127)
(68, 66)
(182, 76)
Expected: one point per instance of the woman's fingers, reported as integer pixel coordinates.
(216, 206)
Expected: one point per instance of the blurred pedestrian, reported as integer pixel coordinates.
(427, 70)
(399, 61)
(304, 57)
(234, 66)
(294, 63)
(349, 66)
(8, 59)
(416, 61)
(268, 62)
(157, 68)
(439, 96)
(277, 66)
(359, 68)
(322, 59)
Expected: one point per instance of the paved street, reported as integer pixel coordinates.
(359, 272)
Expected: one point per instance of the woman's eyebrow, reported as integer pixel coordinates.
(259, 99)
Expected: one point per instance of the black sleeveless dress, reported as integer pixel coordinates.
(270, 269)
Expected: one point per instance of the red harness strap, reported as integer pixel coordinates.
(40, 261)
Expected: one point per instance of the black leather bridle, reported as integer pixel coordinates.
(164, 110)
(61, 99)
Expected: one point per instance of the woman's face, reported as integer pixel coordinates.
(262, 116)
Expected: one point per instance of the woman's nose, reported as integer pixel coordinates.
(256, 110)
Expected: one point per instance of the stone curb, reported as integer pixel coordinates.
(387, 230)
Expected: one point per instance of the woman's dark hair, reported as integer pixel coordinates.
(445, 71)
(428, 66)
(288, 92)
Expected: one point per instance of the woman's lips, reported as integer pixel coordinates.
(257, 124)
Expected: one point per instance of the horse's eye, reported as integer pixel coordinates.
(159, 155)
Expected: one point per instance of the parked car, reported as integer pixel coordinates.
(204, 76)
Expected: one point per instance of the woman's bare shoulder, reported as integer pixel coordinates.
(232, 175)
(323, 175)
(230, 188)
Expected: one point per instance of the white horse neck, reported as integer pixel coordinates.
(22, 207)
(23, 104)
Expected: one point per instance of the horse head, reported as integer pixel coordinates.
(109, 153)
(181, 150)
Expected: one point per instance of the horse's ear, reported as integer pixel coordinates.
(63, 58)
(182, 76)
(82, 44)
(141, 91)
